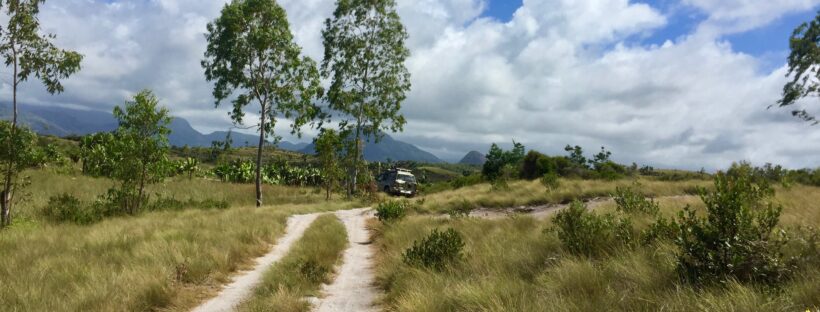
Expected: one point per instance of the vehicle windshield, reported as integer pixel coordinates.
(406, 178)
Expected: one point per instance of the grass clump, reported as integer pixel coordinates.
(435, 251)
(301, 273)
(390, 211)
(587, 234)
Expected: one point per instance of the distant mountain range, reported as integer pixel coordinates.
(59, 121)
(389, 149)
(473, 158)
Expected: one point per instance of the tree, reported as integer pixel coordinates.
(576, 156)
(251, 52)
(328, 145)
(141, 146)
(24, 145)
(28, 53)
(803, 68)
(364, 60)
(498, 159)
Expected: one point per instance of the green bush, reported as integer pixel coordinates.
(435, 251)
(630, 201)
(587, 234)
(550, 181)
(67, 208)
(390, 211)
(734, 240)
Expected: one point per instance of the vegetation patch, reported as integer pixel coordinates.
(436, 251)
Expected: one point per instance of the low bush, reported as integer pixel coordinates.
(587, 234)
(550, 181)
(630, 201)
(435, 251)
(734, 240)
(390, 211)
(67, 208)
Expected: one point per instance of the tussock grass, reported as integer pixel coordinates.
(513, 265)
(522, 193)
(300, 274)
(156, 261)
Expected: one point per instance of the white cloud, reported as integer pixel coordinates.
(560, 72)
(730, 16)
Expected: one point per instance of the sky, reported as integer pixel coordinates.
(668, 83)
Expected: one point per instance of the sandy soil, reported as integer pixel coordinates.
(244, 282)
(353, 289)
(544, 211)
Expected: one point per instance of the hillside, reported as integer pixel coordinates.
(59, 121)
(473, 158)
(389, 149)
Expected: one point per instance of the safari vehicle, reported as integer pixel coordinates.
(398, 181)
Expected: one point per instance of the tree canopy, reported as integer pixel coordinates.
(803, 69)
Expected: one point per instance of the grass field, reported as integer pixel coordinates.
(152, 261)
(526, 193)
(514, 265)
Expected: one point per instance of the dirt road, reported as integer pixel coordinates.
(353, 289)
(240, 288)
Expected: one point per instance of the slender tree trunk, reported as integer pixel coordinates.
(142, 187)
(8, 188)
(357, 154)
(259, 158)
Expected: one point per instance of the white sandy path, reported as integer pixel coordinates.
(240, 288)
(354, 289)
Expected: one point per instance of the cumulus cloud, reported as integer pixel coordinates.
(559, 72)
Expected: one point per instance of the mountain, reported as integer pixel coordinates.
(60, 121)
(389, 148)
(473, 158)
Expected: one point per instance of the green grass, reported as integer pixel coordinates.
(291, 280)
(513, 265)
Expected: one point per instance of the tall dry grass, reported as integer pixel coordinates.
(521, 193)
(155, 261)
(513, 265)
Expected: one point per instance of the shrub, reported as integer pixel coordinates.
(661, 230)
(435, 251)
(586, 234)
(67, 208)
(734, 240)
(391, 211)
(550, 181)
(631, 201)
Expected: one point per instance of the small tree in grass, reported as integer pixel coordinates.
(27, 53)
(141, 148)
(328, 147)
(24, 144)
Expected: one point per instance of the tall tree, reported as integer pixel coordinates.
(804, 68)
(141, 149)
(364, 59)
(252, 57)
(28, 53)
